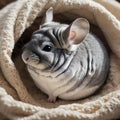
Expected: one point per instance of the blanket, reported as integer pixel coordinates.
(19, 97)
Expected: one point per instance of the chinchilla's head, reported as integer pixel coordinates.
(53, 43)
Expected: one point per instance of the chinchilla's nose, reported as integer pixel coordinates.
(26, 56)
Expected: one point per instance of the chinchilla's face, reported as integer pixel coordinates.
(43, 50)
(53, 43)
(39, 52)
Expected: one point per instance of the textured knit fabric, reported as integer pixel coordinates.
(19, 97)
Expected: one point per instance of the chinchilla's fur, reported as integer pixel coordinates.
(66, 61)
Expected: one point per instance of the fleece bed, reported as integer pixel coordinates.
(19, 97)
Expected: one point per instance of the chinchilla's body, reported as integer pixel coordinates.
(66, 61)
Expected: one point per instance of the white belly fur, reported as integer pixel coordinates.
(58, 88)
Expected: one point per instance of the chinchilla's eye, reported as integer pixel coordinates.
(47, 48)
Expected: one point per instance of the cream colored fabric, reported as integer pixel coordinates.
(19, 97)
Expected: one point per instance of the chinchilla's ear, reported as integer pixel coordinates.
(76, 32)
(48, 16)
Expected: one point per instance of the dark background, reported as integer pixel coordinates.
(5, 2)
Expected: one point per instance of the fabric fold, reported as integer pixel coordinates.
(20, 16)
